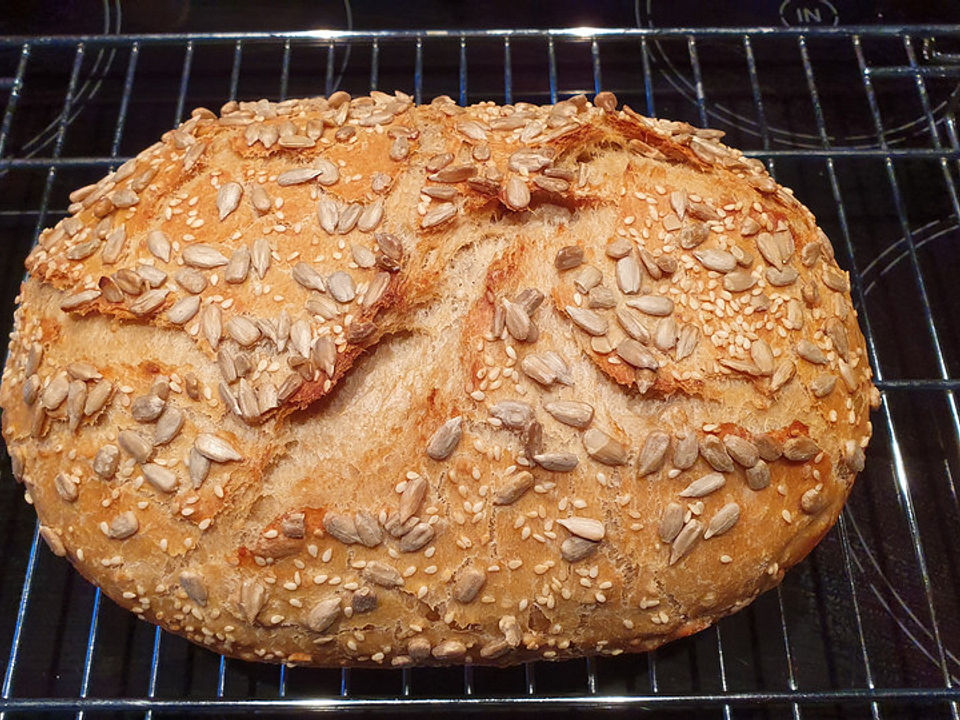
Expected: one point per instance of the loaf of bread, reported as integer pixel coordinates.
(348, 381)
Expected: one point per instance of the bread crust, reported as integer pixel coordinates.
(348, 381)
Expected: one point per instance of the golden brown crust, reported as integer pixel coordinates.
(351, 382)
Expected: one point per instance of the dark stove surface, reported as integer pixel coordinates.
(876, 605)
(98, 16)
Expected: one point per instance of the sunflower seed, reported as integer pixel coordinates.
(632, 325)
(588, 279)
(810, 352)
(66, 487)
(794, 319)
(629, 278)
(517, 194)
(517, 320)
(749, 227)
(781, 277)
(168, 425)
(146, 408)
(569, 256)
(438, 214)
(587, 320)
(687, 341)
(369, 532)
(665, 336)
(529, 299)
(656, 305)
(298, 175)
(551, 184)
(653, 453)
(55, 392)
(160, 477)
(715, 454)
(239, 266)
(636, 354)
(399, 149)
(685, 541)
(216, 449)
(770, 249)
(468, 585)
(716, 260)
(848, 376)
(412, 498)
(370, 217)
(308, 277)
(782, 375)
(741, 450)
(348, 218)
(570, 412)
(724, 519)
(124, 198)
(191, 280)
(183, 310)
(768, 447)
(618, 248)
(513, 488)
(601, 298)
(574, 548)
(837, 333)
(97, 397)
(445, 440)
(341, 527)
(135, 445)
(259, 198)
(514, 415)
(193, 586)
(703, 486)
(106, 461)
(836, 280)
(685, 450)
(211, 325)
(671, 522)
(203, 256)
(31, 388)
(693, 235)
(359, 332)
(72, 302)
(853, 456)
(762, 356)
(823, 384)
(800, 449)
(584, 527)
(341, 287)
(123, 526)
(82, 251)
(449, 650)
(247, 402)
(228, 198)
(537, 368)
(324, 614)
(556, 462)
(739, 281)
(758, 476)
(603, 448)
(199, 467)
(419, 535)
(252, 599)
(244, 332)
(153, 276)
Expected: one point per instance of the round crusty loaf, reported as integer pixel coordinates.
(353, 382)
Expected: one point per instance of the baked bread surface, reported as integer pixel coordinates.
(349, 381)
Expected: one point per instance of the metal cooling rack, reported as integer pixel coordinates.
(867, 626)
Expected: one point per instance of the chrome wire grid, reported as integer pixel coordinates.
(867, 626)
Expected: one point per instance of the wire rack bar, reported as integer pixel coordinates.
(507, 73)
(581, 33)
(14, 97)
(923, 696)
